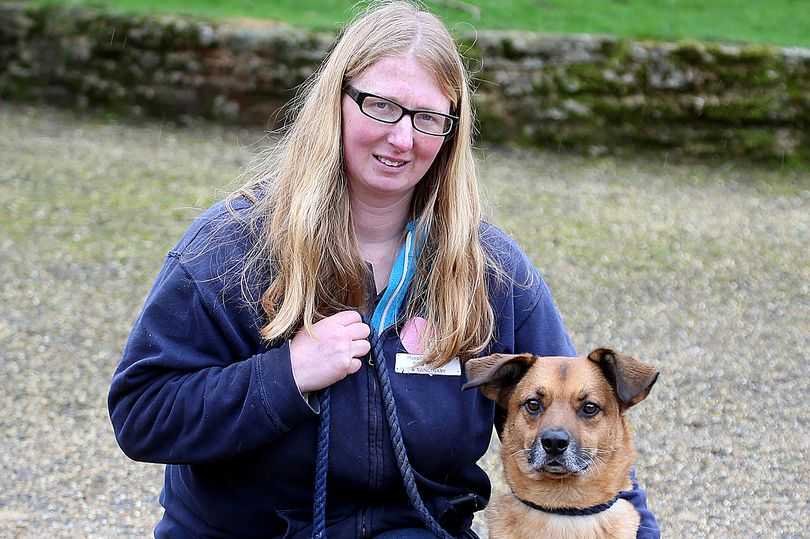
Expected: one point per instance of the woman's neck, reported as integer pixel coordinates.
(379, 230)
(376, 223)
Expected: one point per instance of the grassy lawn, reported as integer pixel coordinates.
(784, 22)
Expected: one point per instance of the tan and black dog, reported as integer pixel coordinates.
(566, 444)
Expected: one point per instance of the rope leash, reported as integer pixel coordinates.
(404, 465)
(321, 468)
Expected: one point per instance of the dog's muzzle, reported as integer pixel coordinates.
(555, 451)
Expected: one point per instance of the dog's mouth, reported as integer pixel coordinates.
(569, 463)
(555, 467)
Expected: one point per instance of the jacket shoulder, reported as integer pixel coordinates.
(222, 222)
(503, 251)
(513, 278)
(214, 248)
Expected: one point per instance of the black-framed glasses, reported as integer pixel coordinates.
(386, 111)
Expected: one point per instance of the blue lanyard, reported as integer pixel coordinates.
(402, 272)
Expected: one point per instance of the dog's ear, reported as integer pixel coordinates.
(631, 379)
(497, 374)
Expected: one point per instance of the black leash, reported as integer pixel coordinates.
(377, 357)
(321, 468)
(403, 463)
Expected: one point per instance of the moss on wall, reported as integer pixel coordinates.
(595, 93)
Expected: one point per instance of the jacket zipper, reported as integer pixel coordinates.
(376, 419)
(363, 531)
(377, 449)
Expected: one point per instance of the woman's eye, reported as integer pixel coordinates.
(381, 105)
(533, 406)
(590, 409)
(427, 118)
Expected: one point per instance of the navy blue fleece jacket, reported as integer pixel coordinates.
(198, 390)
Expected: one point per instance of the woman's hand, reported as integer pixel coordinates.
(331, 353)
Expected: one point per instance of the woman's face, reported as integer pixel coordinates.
(386, 161)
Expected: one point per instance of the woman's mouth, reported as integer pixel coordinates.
(390, 162)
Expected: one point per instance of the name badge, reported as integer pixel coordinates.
(412, 364)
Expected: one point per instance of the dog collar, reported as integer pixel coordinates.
(571, 511)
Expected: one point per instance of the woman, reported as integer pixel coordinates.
(368, 207)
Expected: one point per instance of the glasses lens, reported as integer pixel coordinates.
(435, 124)
(381, 109)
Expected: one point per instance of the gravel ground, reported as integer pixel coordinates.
(700, 268)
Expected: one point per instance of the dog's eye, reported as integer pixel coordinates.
(590, 409)
(533, 406)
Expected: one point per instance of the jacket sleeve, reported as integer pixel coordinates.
(184, 393)
(648, 526)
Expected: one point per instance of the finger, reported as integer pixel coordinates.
(345, 318)
(360, 348)
(354, 366)
(358, 331)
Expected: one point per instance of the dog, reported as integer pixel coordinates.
(566, 445)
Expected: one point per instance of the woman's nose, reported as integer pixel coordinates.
(401, 134)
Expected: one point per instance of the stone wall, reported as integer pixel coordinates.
(593, 93)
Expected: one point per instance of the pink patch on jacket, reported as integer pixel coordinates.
(413, 335)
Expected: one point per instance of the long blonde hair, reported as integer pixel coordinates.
(301, 214)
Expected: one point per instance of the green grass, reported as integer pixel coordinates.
(783, 22)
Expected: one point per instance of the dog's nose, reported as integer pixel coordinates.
(555, 441)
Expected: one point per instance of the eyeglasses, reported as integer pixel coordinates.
(386, 111)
